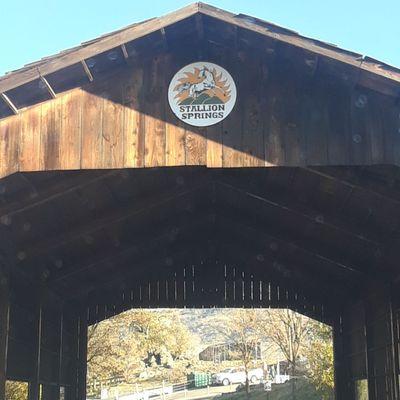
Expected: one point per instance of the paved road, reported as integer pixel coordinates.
(205, 393)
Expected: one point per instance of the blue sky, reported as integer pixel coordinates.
(34, 29)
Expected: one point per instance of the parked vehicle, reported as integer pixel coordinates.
(237, 375)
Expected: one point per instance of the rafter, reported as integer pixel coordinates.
(9, 103)
(56, 191)
(113, 217)
(286, 204)
(47, 86)
(163, 233)
(224, 195)
(87, 71)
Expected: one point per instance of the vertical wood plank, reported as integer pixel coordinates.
(314, 125)
(215, 146)
(9, 145)
(71, 130)
(215, 132)
(34, 385)
(391, 130)
(133, 157)
(82, 354)
(30, 139)
(155, 114)
(196, 146)
(232, 124)
(272, 113)
(112, 129)
(360, 146)
(339, 136)
(175, 144)
(50, 135)
(175, 132)
(252, 145)
(4, 331)
(92, 115)
(375, 128)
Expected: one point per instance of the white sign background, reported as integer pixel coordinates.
(197, 108)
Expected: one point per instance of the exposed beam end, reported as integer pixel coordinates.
(10, 104)
(48, 86)
(87, 70)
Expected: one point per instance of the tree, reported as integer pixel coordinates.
(16, 390)
(136, 341)
(320, 359)
(241, 329)
(288, 330)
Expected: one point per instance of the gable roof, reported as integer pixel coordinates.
(373, 69)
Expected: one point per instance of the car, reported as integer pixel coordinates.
(237, 375)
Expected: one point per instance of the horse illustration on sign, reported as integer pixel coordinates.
(202, 94)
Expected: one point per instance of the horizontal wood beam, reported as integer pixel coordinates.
(140, 243)
(147, 258)
(286, 203)
(112, 217)
(55, 191)
(107, 301)
(352, 183)
(228, 194)
(287, 256)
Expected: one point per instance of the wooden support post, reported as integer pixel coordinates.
(4, 330)
(82, 354)
(60, 349)
(36, 353)
(395, 348)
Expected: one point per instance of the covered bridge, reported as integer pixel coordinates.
(265, 175)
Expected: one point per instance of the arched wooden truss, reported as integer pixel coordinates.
(108, 202)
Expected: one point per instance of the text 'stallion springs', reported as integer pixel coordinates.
(202, 94)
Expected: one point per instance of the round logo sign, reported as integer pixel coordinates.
(202, 94)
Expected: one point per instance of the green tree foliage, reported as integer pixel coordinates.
(288, 331)
(319, 354)
(16, 390)
(137, 340)
(241, 328)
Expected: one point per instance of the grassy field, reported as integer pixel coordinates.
(304, 390)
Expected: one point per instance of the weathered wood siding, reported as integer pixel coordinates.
(288, 113)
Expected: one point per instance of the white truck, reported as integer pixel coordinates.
(237, 375)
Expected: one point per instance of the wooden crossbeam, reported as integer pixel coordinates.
(10, 104)
(328, 173)
(87, 70)
(286, 204)
(223, 201)
(134, 246)
(114, 217)
(108, 295)
(137, 259)
(368, 246)
(285, 248)
(63, 187)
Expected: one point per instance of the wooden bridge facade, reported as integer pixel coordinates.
(109, 202)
